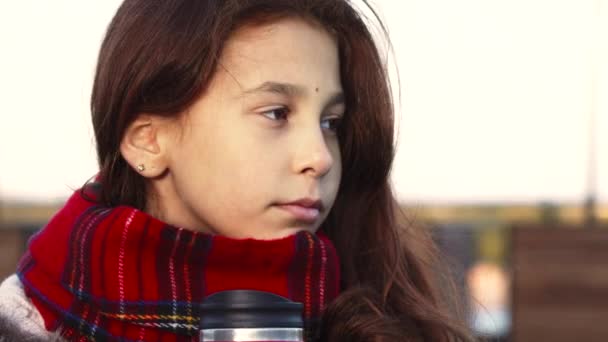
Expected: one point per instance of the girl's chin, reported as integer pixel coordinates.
(280, 233)
(274, 233)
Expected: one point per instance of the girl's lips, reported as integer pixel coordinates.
(301, 213)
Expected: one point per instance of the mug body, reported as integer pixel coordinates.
(252, 335)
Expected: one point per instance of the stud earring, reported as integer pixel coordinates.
(141, 167)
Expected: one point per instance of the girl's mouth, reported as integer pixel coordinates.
(301, 213)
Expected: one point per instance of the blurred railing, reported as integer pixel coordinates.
(560, 284)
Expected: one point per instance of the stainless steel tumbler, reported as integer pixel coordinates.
(250, 316)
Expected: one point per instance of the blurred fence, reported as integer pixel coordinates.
(560, 284)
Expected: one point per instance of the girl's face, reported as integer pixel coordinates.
(261, 136)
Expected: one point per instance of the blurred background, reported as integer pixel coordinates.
(502, 144)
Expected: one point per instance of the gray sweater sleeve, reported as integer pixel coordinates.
(19, 319)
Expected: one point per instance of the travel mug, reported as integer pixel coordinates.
(250, 316)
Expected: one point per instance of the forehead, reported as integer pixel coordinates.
(291, 50)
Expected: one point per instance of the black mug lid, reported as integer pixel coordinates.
(250, 309)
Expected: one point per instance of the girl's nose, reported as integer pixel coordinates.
(313, 156)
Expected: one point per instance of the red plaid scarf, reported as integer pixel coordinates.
(118, 274)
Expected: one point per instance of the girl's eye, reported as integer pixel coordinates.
(276, 114)
(332, 124)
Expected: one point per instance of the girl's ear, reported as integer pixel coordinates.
(142, 146)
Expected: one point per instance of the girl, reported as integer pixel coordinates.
(241, 144)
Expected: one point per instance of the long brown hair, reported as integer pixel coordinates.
(157, 58)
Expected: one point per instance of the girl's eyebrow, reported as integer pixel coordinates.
(277, 88)
(292, 90)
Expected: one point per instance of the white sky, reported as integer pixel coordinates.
(496, 97)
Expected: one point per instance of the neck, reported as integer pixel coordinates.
(164, 204)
